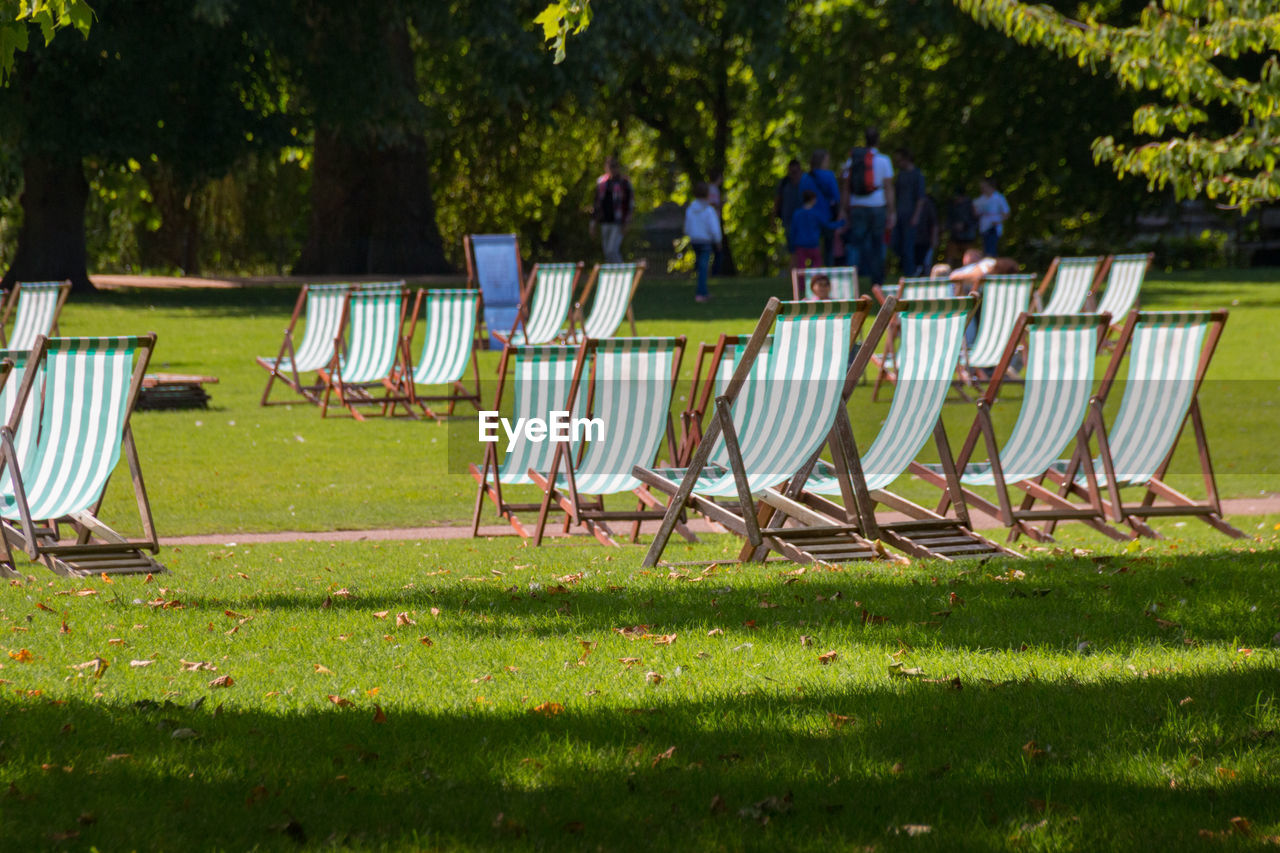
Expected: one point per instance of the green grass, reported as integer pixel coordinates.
(239, 467)
(1078, 720)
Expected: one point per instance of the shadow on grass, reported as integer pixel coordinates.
(1110, 602)
(595, 778)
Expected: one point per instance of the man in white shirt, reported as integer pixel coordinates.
(992, 210)
(869, 198)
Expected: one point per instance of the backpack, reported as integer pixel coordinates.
(862, 172)
(615, 196)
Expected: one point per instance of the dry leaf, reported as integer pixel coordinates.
(1033, 751)
(806, 641)
(840, 720)
(22, 656)
(196, 665)
(44, 607)
(635, 632)
(402, 620)
(435, 611)
(379, 716)
(662, 756)
(547, 709)
(652, 677)
(1226, 773)
(381, 614)
(138, 663)
(629, 662)
(897, 670)
(715, 632)
(827, 657)
(321, 669)
(426, 641)
(664, 639)
(115, 641)
(222, 681)
(340, 701)
(718, 805)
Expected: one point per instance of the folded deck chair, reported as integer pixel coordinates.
(844, 281)
(540, 378)
(321, 305)
(493, 267)
(907, 288)
(1061, 350)
(765, 426)
(628, 383)
(1004, 297)
(546, 304)
(1074, 281)
(1124, 274)
(66, 427)
(932, 334)
(614, 286)
(367, 351)
(452, 334)
(1169, 353)
(35, 307)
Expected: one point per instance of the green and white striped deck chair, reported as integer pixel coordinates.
(628, 383)
(322, 306)
(451, 337)
(1168, 355)
(1125, 274)
(540, 379)
(34, 307)
(1073, 281)
(911, 287)
(65, 432)
(766, 425)
(1004, 297)
(711, 376)
(368, 350)
(546, 305)
(932, 334)
(1061, 351)
(844, 282)
(614, 286)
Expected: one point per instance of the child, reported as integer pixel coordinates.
(819, 288)
(807, 225)
(702, 227)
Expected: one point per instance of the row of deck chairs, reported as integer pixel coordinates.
(778, 463)
(1075, 282)
(542, 308)
(34, 308)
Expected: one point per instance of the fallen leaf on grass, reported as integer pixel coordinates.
(718, 805)
(119, 756)
(634, 632)
(715, 632)
(222, 681)
(46, 608)
(381, 614)
(913, 829)
(1032, 751)
(664, 639)
(629, 662)
(115, 641)
(652, 677)
(662, 756)
(872, 619)
(379, 716)
(547, 709)
(97, 665)
(827, 657)
(341, 702)
(897, 670)
(321, 669)
(806, 640)
(196, 665)
(839, 721)
(22, 656)
(403, 620)
(140, 663)
(1226, 773)
(426, 641)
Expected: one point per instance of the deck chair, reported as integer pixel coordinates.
(615, 286)
(452, 335)
(628, 383)
(546, 304)
(1124, 274)
(1004, 297)
(1061, 350)
(540, 379)
(766, 425)
(35, 307)
(322, 305)
(844, 282)
(1074, 281)
(1169, 353)
(932, 335)
(908, 288)
(493, 267)
(68, 423)
(711, 375)
(364, 355)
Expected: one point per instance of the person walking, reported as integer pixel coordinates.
(702, 227)
(787, 199)
(993, 210)
(821, 181)
(909, 193)
(871, 207)
(612, 209)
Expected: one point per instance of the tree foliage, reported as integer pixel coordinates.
(19, 17)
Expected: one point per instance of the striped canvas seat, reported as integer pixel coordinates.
(1061, 351)
(1125, 275)
(540, 378)
(844, 281)
(722, 360)
(909, 288)
(766, 428)
(69, 422)
(448, 345)
(1004, 297)
(629, 383)
(321, 305)
(913, 288)
(28, 426)
(1072, 280)
(1168, 354)
(493, 266)
(614, 286)
(549, 305)
(35, 306)
(367, 350)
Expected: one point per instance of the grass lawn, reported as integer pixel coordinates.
(239, 467)
(484, 695)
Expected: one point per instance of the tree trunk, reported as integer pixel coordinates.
(51, 243)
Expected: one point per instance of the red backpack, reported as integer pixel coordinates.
(862, 172)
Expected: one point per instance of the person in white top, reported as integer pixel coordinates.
(992, 209)
(869, 199)
(702, 227)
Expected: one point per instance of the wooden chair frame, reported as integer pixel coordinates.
(577, 315)
(404, 370)
(352, 394)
